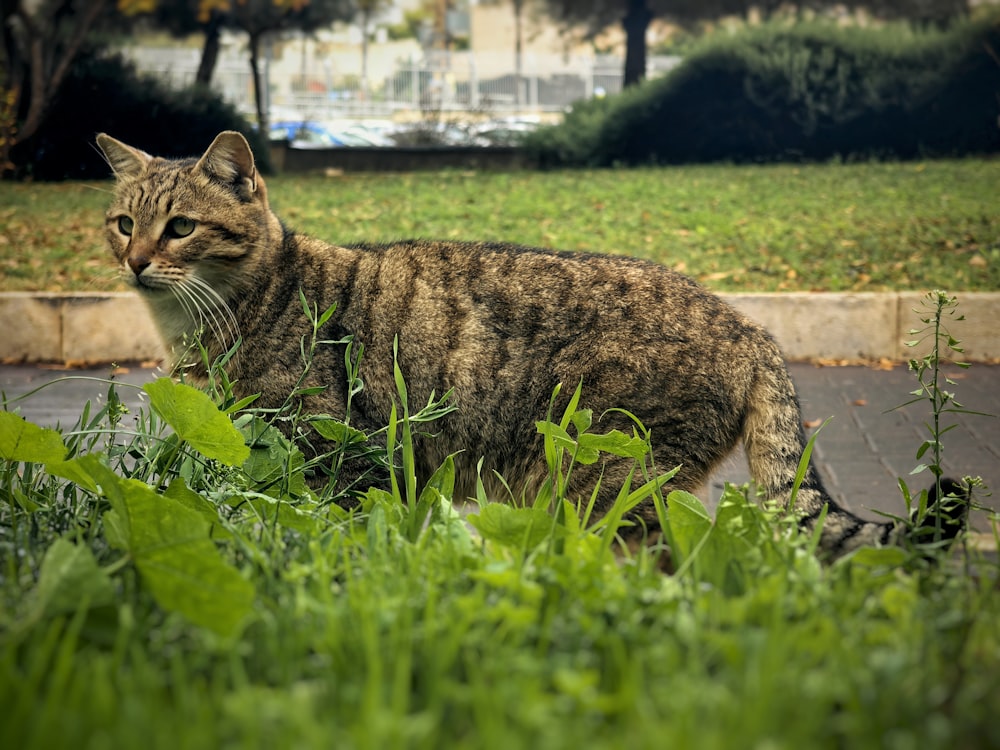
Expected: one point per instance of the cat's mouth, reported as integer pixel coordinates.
(144, 283)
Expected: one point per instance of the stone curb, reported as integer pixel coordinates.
(81, 328)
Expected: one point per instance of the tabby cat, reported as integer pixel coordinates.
(500, 324)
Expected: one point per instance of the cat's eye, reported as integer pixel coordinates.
(126, 225)
(180, 226)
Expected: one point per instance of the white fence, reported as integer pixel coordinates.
(442, 83)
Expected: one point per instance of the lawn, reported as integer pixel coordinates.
(832, 227)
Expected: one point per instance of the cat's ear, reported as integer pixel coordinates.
(124, 161)
(230, 160)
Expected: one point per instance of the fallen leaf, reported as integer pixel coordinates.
(717, 276)
(860, 402)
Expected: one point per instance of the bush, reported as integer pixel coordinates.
(103, 93)
(777, 93)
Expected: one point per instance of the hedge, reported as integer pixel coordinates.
(103, 93)
(802, 92)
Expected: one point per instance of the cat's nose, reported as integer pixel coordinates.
(138, 264)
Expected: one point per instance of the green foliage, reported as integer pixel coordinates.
(788, 93)
(24, 441)
(947, 509)
(197, 421)
(103, 93)
(157, 592)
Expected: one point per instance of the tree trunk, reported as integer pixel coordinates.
(365, 21)
(210, 52)
(518, 52)
(50, 66)
(636, 21)
(258, 86)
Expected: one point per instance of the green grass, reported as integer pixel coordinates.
(863, 227)
(186, 590)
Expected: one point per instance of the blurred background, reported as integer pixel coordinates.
(593, 83)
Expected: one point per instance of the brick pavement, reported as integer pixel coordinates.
(860, 452)
(867, 444)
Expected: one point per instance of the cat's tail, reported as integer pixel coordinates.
(774, 440)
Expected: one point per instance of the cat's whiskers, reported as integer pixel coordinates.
(192, 305)
(217, 305)
(214, 312)
(104, 280)
(99, 189)
(190, 309)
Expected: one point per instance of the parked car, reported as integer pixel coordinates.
(305, 134)
(503, 132)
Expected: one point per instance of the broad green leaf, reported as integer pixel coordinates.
(439, 488)
(75, 471)
(736, 520)
(116, 529)
(689, 523)
(334, 429)
(191, 500)
(877, 557)
(513, 527)
(900, 598)
(90, 473)
(170, 545)
(23, 441)
(287, 515)
(442, 481)
(557, 433)
(582, 420)
(269, 462)
(719, 552)
(23, 501)
(616, 443)
(734, 541)
(70, 577)
(180, 564)
(183, 577)
(197, 420)
(588, 446)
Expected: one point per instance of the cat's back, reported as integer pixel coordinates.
(505, 321)
(517, 290)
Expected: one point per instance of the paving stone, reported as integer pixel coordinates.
(32, 327)
(109, 327)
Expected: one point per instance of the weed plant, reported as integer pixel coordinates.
(171, 579)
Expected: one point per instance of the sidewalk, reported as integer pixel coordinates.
(86, 328)
(860, 453)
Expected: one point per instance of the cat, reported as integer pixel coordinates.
(499, 324)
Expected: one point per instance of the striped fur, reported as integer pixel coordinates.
(500, 324)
